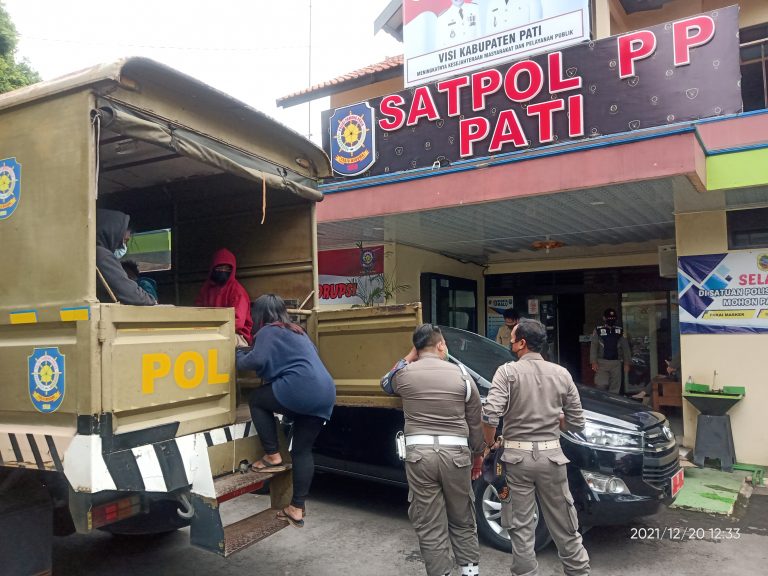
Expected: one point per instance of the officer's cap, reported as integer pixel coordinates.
(609, 313)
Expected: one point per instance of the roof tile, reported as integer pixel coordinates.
(388, 63)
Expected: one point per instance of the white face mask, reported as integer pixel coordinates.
(120, 252)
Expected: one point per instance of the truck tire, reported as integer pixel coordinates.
(162, 518)
(488, 514)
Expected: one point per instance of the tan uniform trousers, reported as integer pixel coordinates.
(608, 375)
(541, 475)
(442, 507)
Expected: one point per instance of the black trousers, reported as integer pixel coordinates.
(305, 430)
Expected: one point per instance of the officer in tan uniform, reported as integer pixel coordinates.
(442, 433)
(529, 395)
(504, 335)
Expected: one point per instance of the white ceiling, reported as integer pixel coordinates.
(623, 218)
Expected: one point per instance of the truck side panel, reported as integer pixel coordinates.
(47, 332)
(360, 345)
(53, 146)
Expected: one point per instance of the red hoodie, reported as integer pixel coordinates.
(230, 295)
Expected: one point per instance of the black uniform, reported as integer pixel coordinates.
(609, 349)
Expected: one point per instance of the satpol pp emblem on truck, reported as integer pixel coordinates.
(10, 186)
(46, 379)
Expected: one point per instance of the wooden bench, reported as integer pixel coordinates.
(666, 392)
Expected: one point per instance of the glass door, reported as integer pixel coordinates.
(449, 301)
(652, 337)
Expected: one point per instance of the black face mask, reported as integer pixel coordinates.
(611, 321)
(220, 277)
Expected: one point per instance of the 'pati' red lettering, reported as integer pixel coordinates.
(576, 115)
(472, 130)
(544, 111)
(507, 129)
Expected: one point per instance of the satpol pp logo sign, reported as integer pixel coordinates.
(353, 139)
(10, 186)
(46, 379)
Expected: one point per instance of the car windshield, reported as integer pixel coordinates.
(480, 354)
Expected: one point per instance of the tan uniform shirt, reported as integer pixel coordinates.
(529, 395)
(504, 335)
(434, 400)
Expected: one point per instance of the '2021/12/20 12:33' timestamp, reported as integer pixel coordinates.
(684, 533)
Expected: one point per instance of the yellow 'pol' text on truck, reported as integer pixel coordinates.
(125, 418)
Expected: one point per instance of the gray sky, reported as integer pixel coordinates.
(255, 50)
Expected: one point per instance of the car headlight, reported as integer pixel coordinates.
(599, 435)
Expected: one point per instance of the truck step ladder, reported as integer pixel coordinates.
(207, 529)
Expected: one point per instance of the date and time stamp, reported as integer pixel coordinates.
(683, 533)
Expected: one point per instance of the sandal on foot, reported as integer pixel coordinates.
(267, 466)
(297, 522)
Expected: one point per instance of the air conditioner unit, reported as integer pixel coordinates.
(668, 261)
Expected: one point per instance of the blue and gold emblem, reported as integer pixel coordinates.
(367, 260)
(353, 139)
(46, 379)
(10, 186)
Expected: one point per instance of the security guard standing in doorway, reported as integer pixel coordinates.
(442, 433)
(609, 348)
(535, 399)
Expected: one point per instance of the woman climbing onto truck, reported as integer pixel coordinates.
(297, 385)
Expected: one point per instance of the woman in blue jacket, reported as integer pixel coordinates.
(297, 385)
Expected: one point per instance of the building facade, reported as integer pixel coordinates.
(624, 219)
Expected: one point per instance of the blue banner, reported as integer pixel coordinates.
(724, 293)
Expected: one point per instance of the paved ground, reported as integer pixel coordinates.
(361, 529)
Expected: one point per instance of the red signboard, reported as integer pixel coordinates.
(344, 272)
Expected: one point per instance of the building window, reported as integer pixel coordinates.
(449, 301)
(747, 228)
(754, 67)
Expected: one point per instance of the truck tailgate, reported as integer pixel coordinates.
(164, 364)
(360, 345)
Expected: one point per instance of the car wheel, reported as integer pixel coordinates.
(488, 513)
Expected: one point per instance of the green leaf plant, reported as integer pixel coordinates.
(376, 288)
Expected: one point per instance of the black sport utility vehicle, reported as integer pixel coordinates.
(623, 465)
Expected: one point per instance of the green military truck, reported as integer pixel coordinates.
(126, 418)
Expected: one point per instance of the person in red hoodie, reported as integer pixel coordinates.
(222, 290)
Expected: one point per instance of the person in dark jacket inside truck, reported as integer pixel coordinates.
(112, 282)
